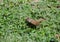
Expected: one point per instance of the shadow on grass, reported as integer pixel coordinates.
(30, 25)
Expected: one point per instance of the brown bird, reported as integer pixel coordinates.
(34, 22)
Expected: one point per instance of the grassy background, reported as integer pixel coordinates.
(13, 27)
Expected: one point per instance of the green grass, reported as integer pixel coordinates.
(13, 27)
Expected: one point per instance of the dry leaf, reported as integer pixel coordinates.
(1, 1)
(34, 22)
(35, 0)
(57, 36)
